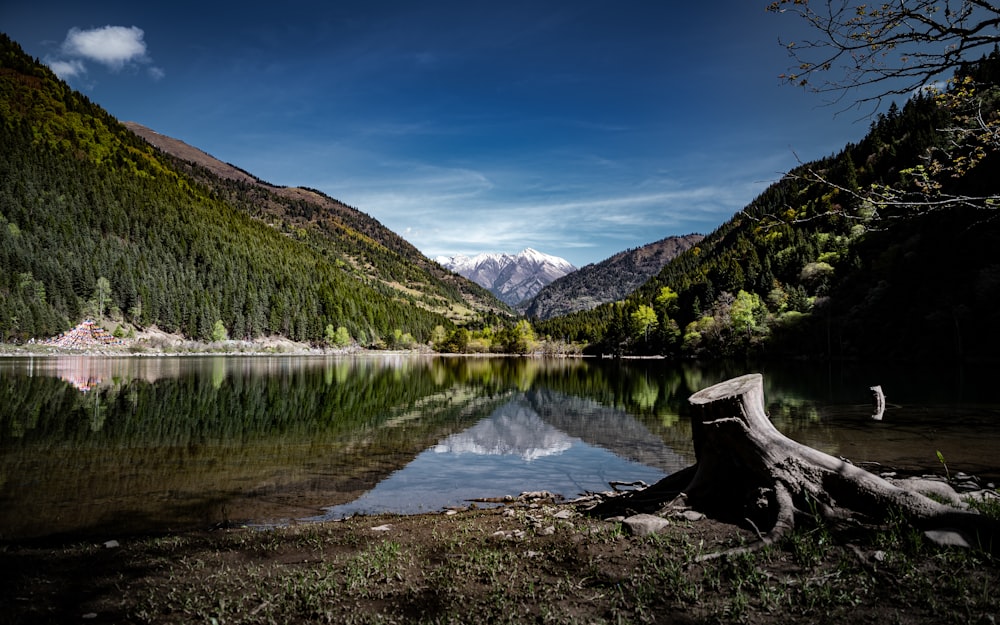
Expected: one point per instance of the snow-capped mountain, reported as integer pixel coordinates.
(514, 278)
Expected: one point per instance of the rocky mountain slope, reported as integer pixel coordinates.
(514, 278)
(609, 280)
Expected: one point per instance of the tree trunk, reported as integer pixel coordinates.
(748, 472)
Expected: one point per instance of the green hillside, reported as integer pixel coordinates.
(808, 269)
(83, 198)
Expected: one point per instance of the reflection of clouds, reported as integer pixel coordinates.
(513, 430)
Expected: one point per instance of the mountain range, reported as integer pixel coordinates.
(99, 218)
(514, 278)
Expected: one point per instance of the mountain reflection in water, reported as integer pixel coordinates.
(107, 446)
(513, 430)
(516, 450)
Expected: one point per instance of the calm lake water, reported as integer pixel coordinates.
(96, 446)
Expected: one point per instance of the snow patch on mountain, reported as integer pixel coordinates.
(514, 278)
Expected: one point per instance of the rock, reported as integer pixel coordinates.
(112, 544)
(535, 494)
(512, 534)
(547, 531)
(563, 514)
(645, 524)
(692, 515)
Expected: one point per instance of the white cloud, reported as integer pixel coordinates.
(113, 46)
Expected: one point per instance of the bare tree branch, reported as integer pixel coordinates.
(901, 47)
(898, 46)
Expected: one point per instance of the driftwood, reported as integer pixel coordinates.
(748, 473)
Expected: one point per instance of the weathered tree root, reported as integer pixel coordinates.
(748, 472)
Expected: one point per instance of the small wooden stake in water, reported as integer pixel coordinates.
(878, 402)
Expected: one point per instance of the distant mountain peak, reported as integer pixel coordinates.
(514, 278)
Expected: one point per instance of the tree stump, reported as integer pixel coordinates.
(748, 473)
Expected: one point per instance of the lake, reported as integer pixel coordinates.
(111, 446)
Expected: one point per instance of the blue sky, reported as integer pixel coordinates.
(578, 128)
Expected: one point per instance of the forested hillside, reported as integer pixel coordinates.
(814, 267)
(331, 227)
(95, 221)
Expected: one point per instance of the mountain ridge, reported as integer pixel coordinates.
(609, 280)
(513, 278)
(343, 219)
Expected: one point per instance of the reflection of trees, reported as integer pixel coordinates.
(195, 432)
(212, 398)
(183, 449)
(219, 400)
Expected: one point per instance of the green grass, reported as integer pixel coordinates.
(436, 569)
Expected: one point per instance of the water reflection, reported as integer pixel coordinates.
(167, 443)
(514, 450)
(92, 445)
(513, 430)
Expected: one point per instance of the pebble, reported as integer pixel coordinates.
(645, 524)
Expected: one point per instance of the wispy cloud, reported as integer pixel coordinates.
(464, 211)
(115, 47)
(67, 69)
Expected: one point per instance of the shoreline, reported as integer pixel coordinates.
(527, 561)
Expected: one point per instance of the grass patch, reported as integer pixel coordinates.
(477, 567)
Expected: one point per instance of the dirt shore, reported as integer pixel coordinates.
(520, 563)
